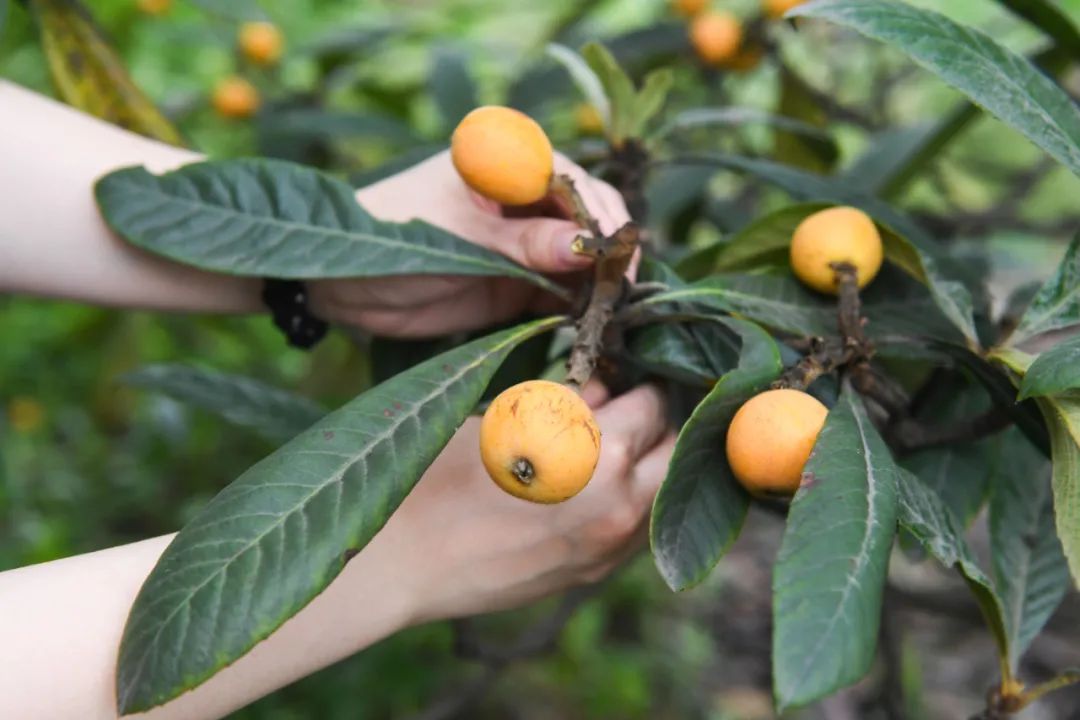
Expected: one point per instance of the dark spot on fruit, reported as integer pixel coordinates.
(328, 434)
(514, 407)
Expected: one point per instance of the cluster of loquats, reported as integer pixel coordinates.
(772, 435)
(719, 37)
(260, 43)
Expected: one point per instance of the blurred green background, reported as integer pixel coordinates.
(86, 463)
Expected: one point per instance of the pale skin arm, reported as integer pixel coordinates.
(62, 621)
(54, 243)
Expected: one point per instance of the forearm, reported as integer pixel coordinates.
(53, 241)
(62, 621)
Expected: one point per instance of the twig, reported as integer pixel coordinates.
(613, 255)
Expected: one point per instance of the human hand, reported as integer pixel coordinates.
(464, 547)
(417, 306)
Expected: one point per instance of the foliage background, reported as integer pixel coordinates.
(87, 464)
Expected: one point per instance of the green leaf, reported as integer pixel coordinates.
(268, 218)
(830, 572)
(277, 536)
(1055, 371)
(700, 508)
(924, 515)
(1062, 416)
(650, 100)
(906, 244)
(451, 86)
(1030, 572)
(797, 101)
(292, 124)
(1007, 85)
(3, 14)
(782, 303)
(1002, 391)
(1051, 19)
(90, 76)
(587, 81)
(776, 302)
(889, 154)
(274, 413)
(618, 87)
(237, 10)
(1057, 305)
(959, 473)
(738, 116)
(696, 353)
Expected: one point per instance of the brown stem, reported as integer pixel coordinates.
(613, 255)
(564, 190)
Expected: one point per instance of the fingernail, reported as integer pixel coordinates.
(567, 256)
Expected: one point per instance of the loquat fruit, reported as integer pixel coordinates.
(776, 9)
(260, 42)
(539, 441)
(503, 154)
(716, 37)
(235, 97)
(689, 8)
(834, 235)
(771, 438)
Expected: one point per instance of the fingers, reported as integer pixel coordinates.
(595, 393)
(635, 421)
(650, 472)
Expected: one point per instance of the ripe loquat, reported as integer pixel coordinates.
(689, 8)
(775, 9)
(835, 235)
(770, 439)
(716, 37)
(235, 97)
(503, 154)
(539, 441)
(260, 42)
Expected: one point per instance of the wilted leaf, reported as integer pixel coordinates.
(268, 218)
(1030, 572)
(277, 536)
(274, 413)
(924, 515)
(90, 75)
(700, 507)
(830, 572)
(1057, 305)
(1007, 85)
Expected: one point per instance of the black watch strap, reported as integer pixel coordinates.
(287, 300)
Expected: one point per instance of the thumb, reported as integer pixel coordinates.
(541, 244)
